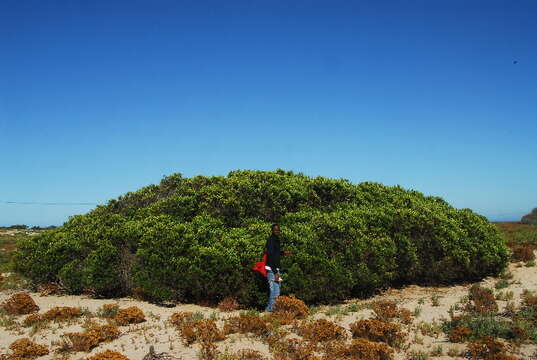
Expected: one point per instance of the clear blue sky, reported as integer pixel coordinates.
(98, 98)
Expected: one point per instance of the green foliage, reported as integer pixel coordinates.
(195, 239)
(518, 234)
(480, 325)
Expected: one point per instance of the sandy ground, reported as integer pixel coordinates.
(135, 340)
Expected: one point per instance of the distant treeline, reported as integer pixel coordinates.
(26, 227)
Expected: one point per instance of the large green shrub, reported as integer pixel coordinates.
(195, 239)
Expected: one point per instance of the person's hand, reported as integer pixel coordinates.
(277, 278)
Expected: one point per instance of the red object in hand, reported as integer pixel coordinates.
(260, 265)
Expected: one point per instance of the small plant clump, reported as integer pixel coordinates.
(362, 349)
(501, 284)
(85, 341)
(109, 355)
(49, 289)
(200, 331)
(246, 324)
(208, 351)
(281, 317)
(385, 310)
(489, 349)
(108, 311)
(20, 304)
(229, 304)
(55, 314)
(482, 300)
(295, 307)
(179, 318)
(130, 315)
(32, 319)
(388, 310)
(376, 330)
(25, 349)
(62, 313)
(249, 354)
(294, 349)
(405, 316)
(321, 330)
(459, 334)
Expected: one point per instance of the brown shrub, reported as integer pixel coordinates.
(62, 313)
(179, 318)
(489, 349)
(405, 316)
(275, 339)
(27, 349)
(105, 332)
(296, 307)
(359, 349)
(245, 324)
(459, 334)
(49, 289)
(32, 319)
(228, 304)
(80, 341)
(208, 351)
(54, 314)
(523, 253)
(483, 300)
(377, 330)
(200, 331)
(130, 315)
(385, 310)
(321, 330)
(108, 355)
(281, 317)
(20, 304)
(294, 349)
(85, 341)
(248, 354)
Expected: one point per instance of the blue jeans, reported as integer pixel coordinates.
(274, 291)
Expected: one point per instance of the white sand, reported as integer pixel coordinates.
(135, 340)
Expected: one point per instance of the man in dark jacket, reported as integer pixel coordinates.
(273, 266)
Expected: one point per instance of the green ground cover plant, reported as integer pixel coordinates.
(195, 239)
(8, 240)
(516, 233)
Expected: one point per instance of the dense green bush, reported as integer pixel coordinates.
(194, 239)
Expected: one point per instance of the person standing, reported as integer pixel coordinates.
(273, 267)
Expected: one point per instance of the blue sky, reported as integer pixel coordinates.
(98, 98)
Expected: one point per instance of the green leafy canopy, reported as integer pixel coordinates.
(193, 239)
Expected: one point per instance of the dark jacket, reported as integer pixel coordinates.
(273, 253)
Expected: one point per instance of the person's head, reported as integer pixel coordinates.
(276, 229)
